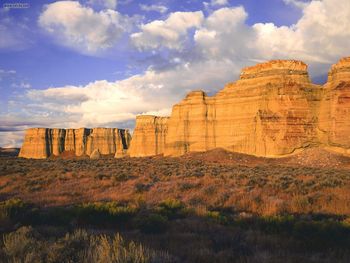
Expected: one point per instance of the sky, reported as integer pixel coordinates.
(99, 63)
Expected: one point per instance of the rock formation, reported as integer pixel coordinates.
(334, 124)
(41, 143)
(149, 136)
(272, 110)
(95, 155)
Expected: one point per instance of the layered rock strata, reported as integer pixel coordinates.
(41, 143)
(149, 136)
(273, 110)
(334, 124)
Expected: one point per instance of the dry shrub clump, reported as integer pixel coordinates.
(28, 245)
(205, 207)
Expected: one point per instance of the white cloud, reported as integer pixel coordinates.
(157, 8)
(219, 2)
(103, 103)
(222, 43)
(82, 28)
(11, 139)
(320, 36)
(296, 3)
(21, 85)
(224, 35)
(170, 33)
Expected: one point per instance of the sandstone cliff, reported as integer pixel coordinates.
(272, 110)
(267, 112)
(334, 124)
(149, 136)
(41, 143)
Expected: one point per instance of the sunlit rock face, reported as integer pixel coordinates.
(272, 110)
(268, 112)
(149, 136)
(334, 124)
(42, 143)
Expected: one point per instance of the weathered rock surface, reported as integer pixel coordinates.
(149, 136)
(95, 155)
(267, 112)
(334, 113)
(273, 110)
(41, 143)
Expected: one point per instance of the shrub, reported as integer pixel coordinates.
(172, 209)
(151, 223)
(104, 213)
(11, 211)
(26, 245)
(22, 246)
(121, 177)
(140, 187)
(217, 217)
(12, 207)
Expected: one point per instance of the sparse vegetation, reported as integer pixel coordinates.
(28, 245)
(188, 209)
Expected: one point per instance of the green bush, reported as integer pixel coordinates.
(104, 213)
(12, 207)
(172, 209)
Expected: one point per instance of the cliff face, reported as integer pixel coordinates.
(149, 136)
(272, 110)
(191, 126)
(41, 143)
(334, 121)
(268, 112)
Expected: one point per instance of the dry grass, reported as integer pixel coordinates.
(212, 207)
(258, 187)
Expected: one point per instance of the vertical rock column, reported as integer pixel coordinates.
(334, 121)
(149, 136)
(35, 144)
(191, 126)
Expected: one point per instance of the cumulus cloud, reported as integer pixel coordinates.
(82, 28)
(222, 43)
(157, 8)
(224, 35)
(170, 33)
(320, 36)
(103, 103)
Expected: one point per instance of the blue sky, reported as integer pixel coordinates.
(102, 62)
